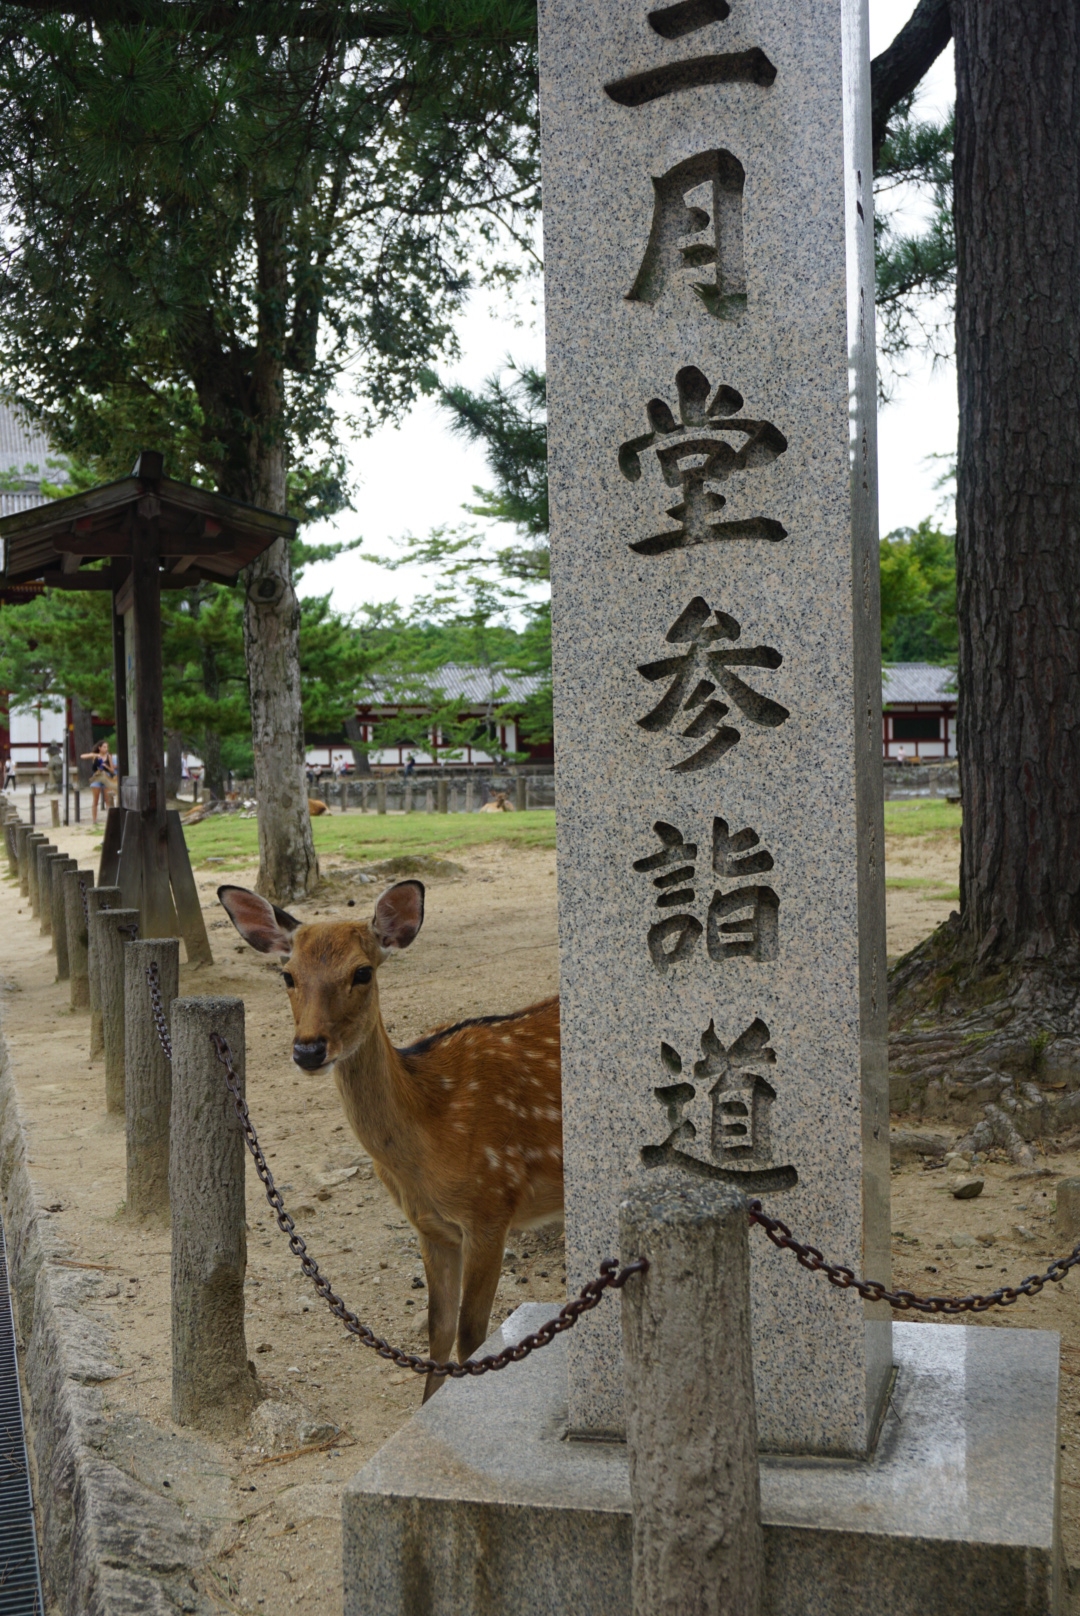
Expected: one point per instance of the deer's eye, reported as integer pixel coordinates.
(286, 977)
(361, 975)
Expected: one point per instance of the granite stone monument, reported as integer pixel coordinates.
(711, 390)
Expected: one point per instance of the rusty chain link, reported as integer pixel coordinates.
(872, 1290)
(157, 1009)
(610, 1276)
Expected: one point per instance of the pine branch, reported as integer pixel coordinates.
(897, 71)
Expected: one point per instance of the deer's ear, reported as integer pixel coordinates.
(399, 914)
(262, 924)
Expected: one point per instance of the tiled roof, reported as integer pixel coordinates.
(24, 450)
(475, 687)
(917, 681)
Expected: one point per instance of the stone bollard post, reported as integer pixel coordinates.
(54, 804)
(74, 883)
(38, 906)
(344, 795)
(212, 1384)
(1067, 1212)
(521, 793)
(148, 1074)
(97, 900)
(441, 801)
(407, 798)
(380, 797)
(470, 798)
(78, 805)
(33, 803)
(691, 1428)
(110, 929)
(60, 867)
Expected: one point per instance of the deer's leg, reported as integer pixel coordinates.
(483, 1264)
(442, 1265)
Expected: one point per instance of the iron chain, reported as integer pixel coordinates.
(153, 981)
(611, 1276)
(872, 1290)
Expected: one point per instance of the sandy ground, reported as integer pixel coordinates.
(922, 874)
(488, 945)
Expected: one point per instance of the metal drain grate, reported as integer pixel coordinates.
(20, 1577)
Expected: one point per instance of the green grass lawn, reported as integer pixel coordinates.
(368, 838)
(922, 816)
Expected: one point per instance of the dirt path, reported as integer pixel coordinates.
(488, 945)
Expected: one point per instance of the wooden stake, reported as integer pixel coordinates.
(60, 867)
(97, 899)
(147, 1075)
(107, 930)
(74, 883)
(213, 1385)
(691, 1428)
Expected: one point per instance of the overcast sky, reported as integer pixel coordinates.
(417, 476)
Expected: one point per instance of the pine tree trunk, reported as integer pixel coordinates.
(1017, 202)
(213, 770)
(174, 764)
(288, 868)
(83, 732)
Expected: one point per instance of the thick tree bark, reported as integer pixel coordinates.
(173, 763)
(83, 733)
(1017, 204)
(213, 769)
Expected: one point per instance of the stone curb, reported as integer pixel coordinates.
(109, 1545)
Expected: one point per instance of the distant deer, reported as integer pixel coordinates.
(499, 804)
(464, 1127)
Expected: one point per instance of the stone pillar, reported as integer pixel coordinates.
(110, 929)
(97, 900)
(470, 796)
(76, 884)
(690, 1426)
(521, 794)
(147, 1074)
(441, 801)
(46, 865)
(212, 1385)
(708, 225)
(60, 868)
(380, 797)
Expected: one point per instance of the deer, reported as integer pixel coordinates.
(463, 1127)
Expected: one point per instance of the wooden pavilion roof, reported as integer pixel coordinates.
(202, 535)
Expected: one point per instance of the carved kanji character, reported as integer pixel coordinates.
(698, 673)
(739, 1145)
(674, 22)
(698, 454)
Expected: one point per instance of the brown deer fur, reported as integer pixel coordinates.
(464, 1127)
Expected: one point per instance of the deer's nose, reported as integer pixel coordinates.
(310, 1054)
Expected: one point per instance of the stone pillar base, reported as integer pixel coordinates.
(481, 1507)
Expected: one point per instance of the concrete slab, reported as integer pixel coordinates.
(480, 1506)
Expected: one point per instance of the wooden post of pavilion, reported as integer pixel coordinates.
(157, 534)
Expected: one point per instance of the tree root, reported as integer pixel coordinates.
(995, 1047)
